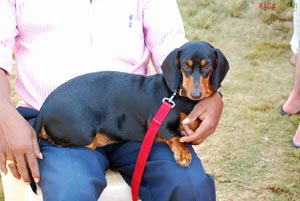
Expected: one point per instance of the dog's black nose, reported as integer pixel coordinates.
(196, 94)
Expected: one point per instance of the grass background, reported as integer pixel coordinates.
(250, 154)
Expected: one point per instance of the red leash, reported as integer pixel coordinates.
(155, 124)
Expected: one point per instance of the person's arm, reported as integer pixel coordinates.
(18, 141)
(165, 32)
(163, 29)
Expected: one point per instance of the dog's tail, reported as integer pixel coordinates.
(32, 182)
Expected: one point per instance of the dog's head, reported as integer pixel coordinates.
(196, 69)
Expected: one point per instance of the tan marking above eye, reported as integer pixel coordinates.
(203, 62)
(189, 63)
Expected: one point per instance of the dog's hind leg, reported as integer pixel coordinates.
(100, 140)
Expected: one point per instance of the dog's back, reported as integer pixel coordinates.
(106, 102)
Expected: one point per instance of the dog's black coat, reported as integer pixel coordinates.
(114, 103)
(121, 105)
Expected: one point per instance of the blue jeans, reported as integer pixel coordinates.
(78, 174)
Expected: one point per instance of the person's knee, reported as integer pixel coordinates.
(194, 187)
(71, 173)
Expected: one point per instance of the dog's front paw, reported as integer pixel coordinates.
(182, 155)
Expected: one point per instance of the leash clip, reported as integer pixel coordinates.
(170, 100)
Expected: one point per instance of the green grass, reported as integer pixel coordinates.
(250, 154)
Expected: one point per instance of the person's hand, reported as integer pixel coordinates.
(18, 145)
(209, 112)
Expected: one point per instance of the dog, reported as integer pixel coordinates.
(101, 108)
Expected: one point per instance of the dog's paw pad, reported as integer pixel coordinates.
(184, 160)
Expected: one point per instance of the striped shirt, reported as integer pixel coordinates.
(55, 40)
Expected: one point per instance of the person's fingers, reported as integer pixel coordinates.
(3, 163)
(12, 164)
(193, 136)
(36, 146)
(22, 168)
(193, 115)
(33, 166)
(203, 137)
(205, 129)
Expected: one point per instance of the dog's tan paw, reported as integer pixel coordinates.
(182, 155)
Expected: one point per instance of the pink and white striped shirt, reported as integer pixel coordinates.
(55, 40)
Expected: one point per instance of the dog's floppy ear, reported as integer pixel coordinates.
(220, 71)
(170, 68)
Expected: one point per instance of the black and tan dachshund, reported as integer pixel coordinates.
(107, 107)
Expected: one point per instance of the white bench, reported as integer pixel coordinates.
(16, 190)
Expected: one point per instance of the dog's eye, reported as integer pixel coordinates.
(204, 64)
(189, 63)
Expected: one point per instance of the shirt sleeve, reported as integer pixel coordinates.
(8, 32)
(163, 28)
